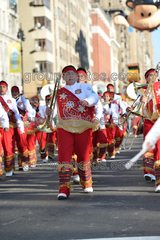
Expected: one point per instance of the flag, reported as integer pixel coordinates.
(15, 57)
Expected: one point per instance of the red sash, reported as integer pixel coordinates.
(119, 110)
(24, 116)
(154, 102)
(156, 89)
(11, 114)
(70, 107)
(39, 120)
(4, 104)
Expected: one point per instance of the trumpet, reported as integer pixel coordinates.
(18, 96)
(46, 126)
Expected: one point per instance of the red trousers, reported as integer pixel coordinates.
(32, 152)
(99, 136)
(50, 140)
(148, 157)
(41, 137)
(135, 125)
(111, 131)
(51, 143)
(1, 171)
(119, 136)
(151, 160)
(21, 140)
(8, 144)
(80, 144)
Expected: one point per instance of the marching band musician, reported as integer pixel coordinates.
(121, 109)
(50, 138)
(75, 121)
(5, 125)
(99, 137)
(24, 108)
(99, 140)
(110, 109)
(151, 164)
(31, 138)
(38, 120)
(10, 106)
(151, 111)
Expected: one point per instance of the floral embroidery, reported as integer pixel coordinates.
(81, 109)
(70, 104)
(158, 92)
(63, 96)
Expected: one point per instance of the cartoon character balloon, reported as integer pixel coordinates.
(145, 15)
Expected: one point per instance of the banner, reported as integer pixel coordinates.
(15, 57)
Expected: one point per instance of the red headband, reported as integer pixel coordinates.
(152, 71)
(110, 85)
(111, 94)
(35, 97)
(81, 71)
(3, 83)
(99, 94)
(69, 69)
(48, 97)
(106, 93)
(15, 89)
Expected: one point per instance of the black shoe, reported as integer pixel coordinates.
(50, 157)
(148, 179)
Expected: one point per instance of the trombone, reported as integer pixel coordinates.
(46, 126)
(121, 125)
(132, 91)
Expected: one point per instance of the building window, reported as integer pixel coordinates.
(43, 45)
(13, 5)
(61, 52)
(45, 3)
(39, 91)
(4, 21)
(44, 66)
(42, 23)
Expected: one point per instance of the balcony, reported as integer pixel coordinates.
(40, 3)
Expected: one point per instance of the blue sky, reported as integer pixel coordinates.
(156, 45)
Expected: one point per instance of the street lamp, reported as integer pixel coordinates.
(21, 36)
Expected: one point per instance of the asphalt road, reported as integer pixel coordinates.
(122, 204)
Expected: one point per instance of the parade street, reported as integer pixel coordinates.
(122, 204)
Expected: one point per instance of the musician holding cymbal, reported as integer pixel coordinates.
(75, 121)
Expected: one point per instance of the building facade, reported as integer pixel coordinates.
(9, 24)
(105, 47)
(58, 33)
